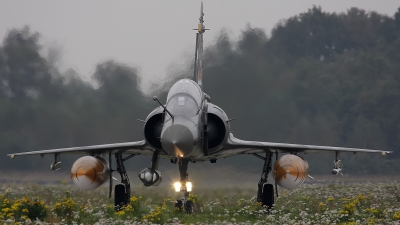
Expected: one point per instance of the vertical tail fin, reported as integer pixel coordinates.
(198, 58)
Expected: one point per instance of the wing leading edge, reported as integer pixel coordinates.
(138, 147)
(236, 146)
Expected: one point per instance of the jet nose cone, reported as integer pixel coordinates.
(177, 140)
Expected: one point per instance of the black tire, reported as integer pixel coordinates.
(268, 195)
(189, 207)
(178, 204)
(119, 196)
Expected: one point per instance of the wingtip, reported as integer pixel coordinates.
(386, 152)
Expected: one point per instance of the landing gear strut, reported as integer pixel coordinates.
(184, 202)
(122, 192)
(265, 193)
(337, 165)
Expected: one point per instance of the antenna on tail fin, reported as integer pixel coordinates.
(198, 57)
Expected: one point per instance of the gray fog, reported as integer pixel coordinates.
(155, 36)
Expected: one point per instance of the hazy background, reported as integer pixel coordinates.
(154, 36)
(81, 73)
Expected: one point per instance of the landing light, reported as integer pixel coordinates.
(189, 186)
(177, 186)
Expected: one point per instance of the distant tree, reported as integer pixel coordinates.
(24, 72)
(118, 84)
(397, 18)
(42, 108)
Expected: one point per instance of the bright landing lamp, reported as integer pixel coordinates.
(189, 186)
(177, 186)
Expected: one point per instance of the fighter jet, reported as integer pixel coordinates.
(189, 128)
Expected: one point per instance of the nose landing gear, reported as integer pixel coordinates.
(184, 203)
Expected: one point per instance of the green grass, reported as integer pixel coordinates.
(331, 203)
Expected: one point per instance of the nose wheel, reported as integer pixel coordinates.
(189, 207)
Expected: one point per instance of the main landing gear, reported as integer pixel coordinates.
(184, 186)
(122, 192)
(265, 193)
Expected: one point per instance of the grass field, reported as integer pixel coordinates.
(326, 202)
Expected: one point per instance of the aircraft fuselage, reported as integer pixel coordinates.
(182, 133)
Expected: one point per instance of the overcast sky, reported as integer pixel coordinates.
(152, 35)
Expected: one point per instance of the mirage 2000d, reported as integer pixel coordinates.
(188, 128)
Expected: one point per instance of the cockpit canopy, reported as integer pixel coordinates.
(185, 98)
